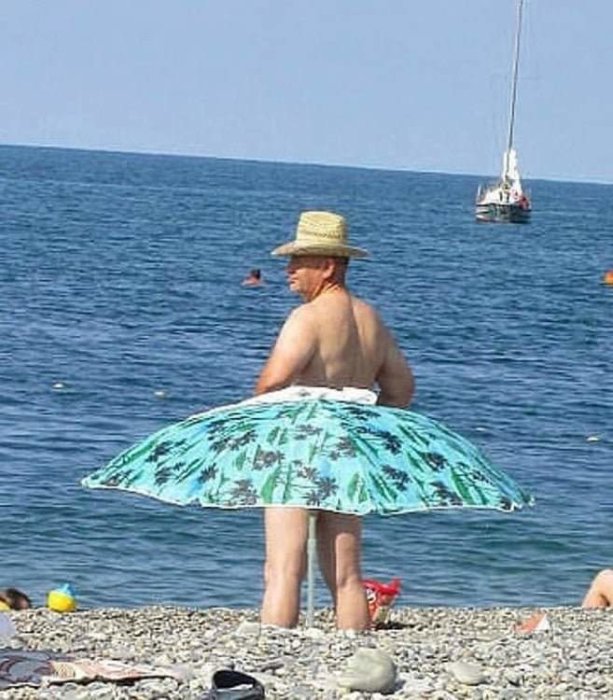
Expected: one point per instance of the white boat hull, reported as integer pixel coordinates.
(496, 213)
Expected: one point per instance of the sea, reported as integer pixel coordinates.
(122, 310)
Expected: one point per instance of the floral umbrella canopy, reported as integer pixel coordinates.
(317, 448)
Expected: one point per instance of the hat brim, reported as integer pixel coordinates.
(337, 251)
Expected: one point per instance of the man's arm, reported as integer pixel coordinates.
(395, 378)
(291, 354)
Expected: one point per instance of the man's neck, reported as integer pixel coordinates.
(325, 288)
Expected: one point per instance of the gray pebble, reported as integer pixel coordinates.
(248, 629)
(468, 674)
(574, 662)
(370, 670)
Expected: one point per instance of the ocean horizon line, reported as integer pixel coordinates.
(314, 164)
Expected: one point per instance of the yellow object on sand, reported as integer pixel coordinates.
(61, 600)
(4, 606)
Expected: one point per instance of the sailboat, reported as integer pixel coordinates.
(505, 201)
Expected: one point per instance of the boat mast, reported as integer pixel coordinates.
(520, 6)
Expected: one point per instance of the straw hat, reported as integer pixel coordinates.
(321, 233)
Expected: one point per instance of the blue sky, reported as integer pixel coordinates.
(402, 84)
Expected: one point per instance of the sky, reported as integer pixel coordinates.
(419, 85)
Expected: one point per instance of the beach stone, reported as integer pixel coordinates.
(415, 686)
(272, 665)
(349, 634)
(513, 677)
(105, 692)
(314, 633)
(574, 662)
(275, 630)
(75, 693)
(154, 688)
(194, 689)
(442, 695)
(465, 673)
(370, 670)
(248, 629)
(121, 653)
(182, 672)
(162, 660)
(509, 694)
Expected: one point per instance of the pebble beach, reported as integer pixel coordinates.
(439, 653)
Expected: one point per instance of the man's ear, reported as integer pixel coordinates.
(329, 268)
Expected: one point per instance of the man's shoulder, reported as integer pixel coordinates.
(365, 307)
(301, 314)
(362, 302)
(299, 326)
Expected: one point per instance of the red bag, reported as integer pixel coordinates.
(380, 597)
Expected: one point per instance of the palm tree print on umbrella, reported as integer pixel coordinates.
(315, 453)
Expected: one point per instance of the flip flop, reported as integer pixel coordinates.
(234, 685)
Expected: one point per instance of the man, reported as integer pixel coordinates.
(600, 593)
(333, 340)
(14, 599)
(253, 279)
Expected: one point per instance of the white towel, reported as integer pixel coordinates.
(296, 392)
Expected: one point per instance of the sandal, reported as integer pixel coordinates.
(234, 685)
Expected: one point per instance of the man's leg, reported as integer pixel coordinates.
(286, 535)
(339, 540)
(600, 593)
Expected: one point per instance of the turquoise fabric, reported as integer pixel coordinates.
(317, 453)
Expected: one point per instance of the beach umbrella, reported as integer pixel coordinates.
(321, 449)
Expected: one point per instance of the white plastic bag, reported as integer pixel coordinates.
(7, 628)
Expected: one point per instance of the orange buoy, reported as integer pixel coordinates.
(608, 277)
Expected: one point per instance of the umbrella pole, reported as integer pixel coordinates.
(311, 545)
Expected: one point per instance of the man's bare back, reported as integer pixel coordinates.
(335, 339)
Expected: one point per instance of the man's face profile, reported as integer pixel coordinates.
(305, 273)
